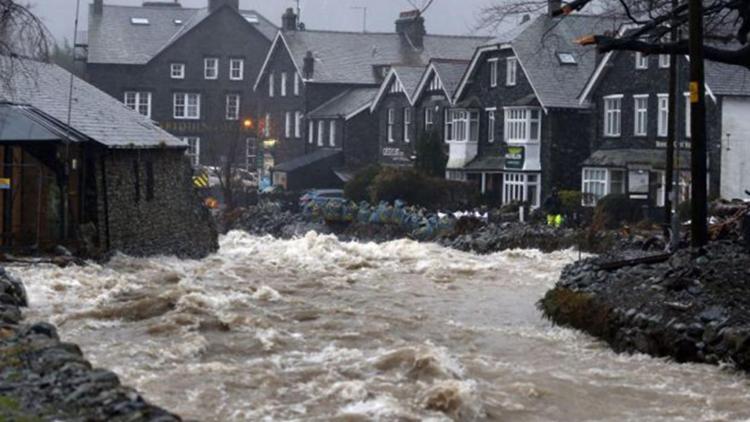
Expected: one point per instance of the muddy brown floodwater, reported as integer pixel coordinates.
(316, 329)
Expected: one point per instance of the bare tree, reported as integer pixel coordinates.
(22, 35)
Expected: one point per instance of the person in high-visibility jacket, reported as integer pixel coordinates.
(553, 208)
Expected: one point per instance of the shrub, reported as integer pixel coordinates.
(431, 160)
(358, 189)
(613, 210)
(415, 188)
(570, 201)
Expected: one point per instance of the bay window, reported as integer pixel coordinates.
(523, 124)
(600, 182)
(521, 187)
(139, 101)
(186, 106)
(612, 115)
(462, 125)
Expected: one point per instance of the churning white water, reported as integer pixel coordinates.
(317, 329)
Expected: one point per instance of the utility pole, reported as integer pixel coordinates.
(698, 152)
(364, 16)
(671, 199)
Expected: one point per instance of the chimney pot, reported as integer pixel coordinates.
(289, 20)
(98, 7)
(308, 69)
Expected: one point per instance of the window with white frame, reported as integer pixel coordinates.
(283, 84)
(271, 78)
(267, 125)
(321, 132)
(521, 187)
(600, 182)
(688, 128)
(296, 84)
(288, 124)
(493, 72)
(139, 101)
(233, 107)
(429, 118)
(612, 115)
(462, 125)
(641, 60)
(511, 66)
(194, 149)
(236, 69)
(186, 106)
(490, 126)
(298, 116)
(391, 123)
(310, 132)
(211, 68)
(407, 124)
(662, 121)
(640, 107)
(177, 70)
(250, 155)
(332, 133)
(664, 61)
(522, 124)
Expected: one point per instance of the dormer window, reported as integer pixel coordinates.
(211, 68)
(177, 70)
(566, 58)
(139, 21)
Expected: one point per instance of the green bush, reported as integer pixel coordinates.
(615, 209)
(570, 200)
(431, 160)
(415, 188)
(358, 189)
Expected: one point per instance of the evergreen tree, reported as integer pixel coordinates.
(430, 160)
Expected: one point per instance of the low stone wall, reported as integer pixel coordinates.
(693, 310)
(42, 378)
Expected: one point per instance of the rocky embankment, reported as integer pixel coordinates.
(690, 309)
(42, 378)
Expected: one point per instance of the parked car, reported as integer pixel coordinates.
(322, 195)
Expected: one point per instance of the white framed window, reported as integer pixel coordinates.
(429, 118)
(523, 124)
(250, 155)
(597, 183)
(298, 116)
(688, 128)
(271, 78)
(310, 132)
(462, 125)
(662, 121)
(177, 70)
(211, 68)
(664, 61)
(332, 133)
(521, 187)
(186, 105)
(236, 69)
(612, 115)
(139, 101)
(233, 107)
(640, 108)
(493, 72)
(267, 125)
(288, 124)
(296, 84)
(194, 149)
(407, 124)
(321, 132)
(641, 60)
(283, 84)
(511, 66)
(490, 126)
(391, 124)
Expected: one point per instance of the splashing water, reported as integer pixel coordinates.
(317, 329)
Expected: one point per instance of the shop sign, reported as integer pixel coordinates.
(515, 157)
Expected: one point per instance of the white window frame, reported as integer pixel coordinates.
(332, 133)
(664, 61)
(590, 195)
(462, 125)
(283, 84)
(491, 124)
(640, 115)
(688, 116)
(493, 71)
(211, 72)
(391, 123)
(296, 84)
(271, 78)
(177, 70)
(641, 60)
(250, 155)
(662, 119)
(236, 66)
(232, 107)
(321, 132)
(139, 99)
(518, 122)
(407, 124)
(288, 124)
(194, 149)
(511, 71)
(298, 116)
(429, 117)
(183, 99)
(613, 115)
(516, 188)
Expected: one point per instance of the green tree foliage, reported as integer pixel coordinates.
(431, 160)
(358, 189)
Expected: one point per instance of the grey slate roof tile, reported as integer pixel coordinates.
(450, 72)
(725, 79)
(94, 113)
(345, 104)
(409, 77)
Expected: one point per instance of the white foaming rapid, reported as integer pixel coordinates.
(318, 329)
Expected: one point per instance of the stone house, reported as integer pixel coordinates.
(190, 70)
(109, 180)
(517, 128)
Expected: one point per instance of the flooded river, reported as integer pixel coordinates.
(315, 329)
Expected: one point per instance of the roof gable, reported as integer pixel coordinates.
(448, 73)
(407, 78)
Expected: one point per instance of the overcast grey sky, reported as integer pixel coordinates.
(444, 17)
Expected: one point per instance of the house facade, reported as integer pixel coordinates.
(189, 70)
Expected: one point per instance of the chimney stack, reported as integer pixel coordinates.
(214, 5)
(308, 68)
(410, 26)
(553, 6)
(98, 7)
(289, 21)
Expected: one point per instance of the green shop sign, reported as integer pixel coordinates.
(515, 157)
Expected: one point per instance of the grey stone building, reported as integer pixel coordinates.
(110, 180)
(305, 69)
(190, 70)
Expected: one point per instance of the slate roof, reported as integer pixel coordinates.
(409, 77)
(306, 160)
(725, 79)
(346, 103)
(654, 158)
(486, 163)
(95, 114)
(114, 39)
(450, 72)
(349, 57)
